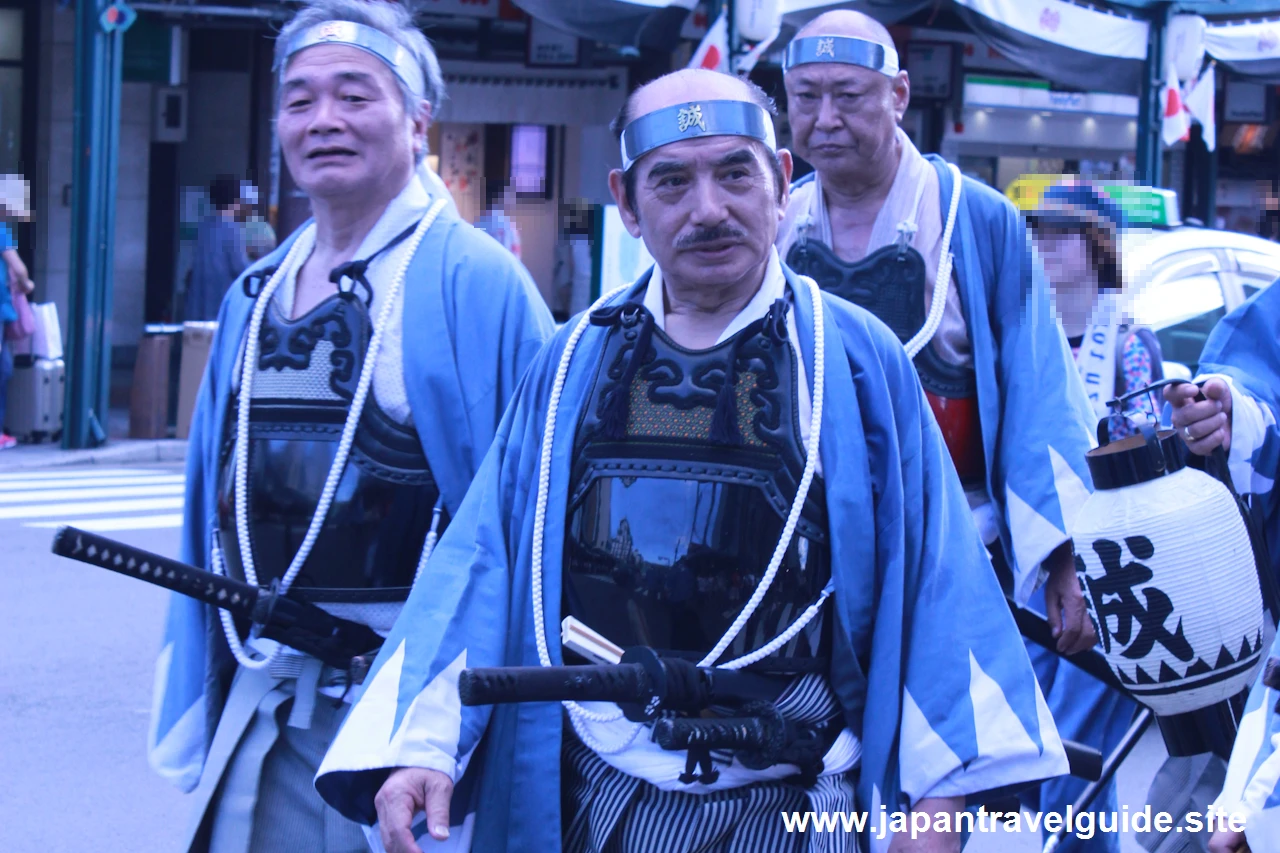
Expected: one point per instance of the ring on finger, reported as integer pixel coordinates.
(1186, 432)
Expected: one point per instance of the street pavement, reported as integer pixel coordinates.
(76, 675)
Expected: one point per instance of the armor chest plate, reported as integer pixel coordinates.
(890, 283)
(372, 536)
(686, 466)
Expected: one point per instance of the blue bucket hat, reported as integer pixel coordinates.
(1080, 206)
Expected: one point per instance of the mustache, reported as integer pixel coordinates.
(710, 235)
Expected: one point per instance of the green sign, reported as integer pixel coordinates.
(1149, 206)
(146, 51)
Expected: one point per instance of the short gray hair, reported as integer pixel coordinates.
(391, 18)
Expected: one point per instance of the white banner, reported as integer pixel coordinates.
(1068, 25)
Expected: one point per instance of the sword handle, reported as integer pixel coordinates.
(118, 557)
(618, 683)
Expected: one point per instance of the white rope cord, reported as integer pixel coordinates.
(576, 711)
(433, 536)
(802, 493)
(941, 281)
(241, 450)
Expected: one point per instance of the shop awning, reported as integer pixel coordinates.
(493, 93)
(1251, 48)
(653, 24)
(1076, 46)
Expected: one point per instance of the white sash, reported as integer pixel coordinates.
(1096, 358)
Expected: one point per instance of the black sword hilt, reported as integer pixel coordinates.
(765, 733)
(297, 624)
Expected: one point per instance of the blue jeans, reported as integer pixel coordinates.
(6, 371)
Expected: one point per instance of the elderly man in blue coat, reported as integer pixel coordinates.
(877, 223)
(728, 467)
(356, 380)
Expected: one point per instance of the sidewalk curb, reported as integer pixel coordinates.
(121, 452)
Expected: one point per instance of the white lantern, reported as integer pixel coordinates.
(1169, 576)
(756, 19)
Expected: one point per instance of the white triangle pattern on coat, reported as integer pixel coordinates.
(427, 737)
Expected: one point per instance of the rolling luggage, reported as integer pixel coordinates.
(35, 405)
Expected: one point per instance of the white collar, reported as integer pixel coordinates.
(772, 288)
(403, 210)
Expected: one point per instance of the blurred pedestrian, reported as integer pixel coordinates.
(220, 254)
(1076, 230)
(496, 221)
(259, 236)
(19, 283)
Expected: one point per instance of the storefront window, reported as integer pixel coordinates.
(529, 158)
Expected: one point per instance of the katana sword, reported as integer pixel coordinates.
(298, 624)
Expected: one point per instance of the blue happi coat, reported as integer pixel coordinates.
(1245, 350)
(1037, 422)
(473, 320)
(927, 664)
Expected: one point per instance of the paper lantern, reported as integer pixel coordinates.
(1169, 575)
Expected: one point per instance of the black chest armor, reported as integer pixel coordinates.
(890, 283)
(373, 534)
(685, 468)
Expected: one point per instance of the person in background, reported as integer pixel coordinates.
(946, 263)
(18, 282)
(259, 236)
(1235, 409)
(380, 342)
(220, 255)
(1076, 231)
(495, 222)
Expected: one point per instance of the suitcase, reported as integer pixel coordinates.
(36, 389)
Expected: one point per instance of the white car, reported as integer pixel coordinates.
(1182, 280)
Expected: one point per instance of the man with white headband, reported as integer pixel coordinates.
(945, 262)
(728, 476)
(356, 380)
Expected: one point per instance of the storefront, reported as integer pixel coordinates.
(1013, 126)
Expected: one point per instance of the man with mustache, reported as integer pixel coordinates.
(724, 465)
(946, 263)
(356, 380)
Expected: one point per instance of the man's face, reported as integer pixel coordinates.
(708, 209)
(343, 126)
(844, 118)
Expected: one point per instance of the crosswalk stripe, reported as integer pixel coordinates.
(104, 525)
(50, 495)
(88, 473)
(152, 480)
(74, 508)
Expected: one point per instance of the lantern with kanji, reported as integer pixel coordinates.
(1169, 575)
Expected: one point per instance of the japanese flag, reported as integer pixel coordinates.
(713, 52)
(1199, 103)
(1176, 124)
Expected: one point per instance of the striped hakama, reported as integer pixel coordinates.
(605, 810)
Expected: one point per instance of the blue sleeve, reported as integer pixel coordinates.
(409, 713)
(948, 670)
(7, 240)
(1045, 421)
